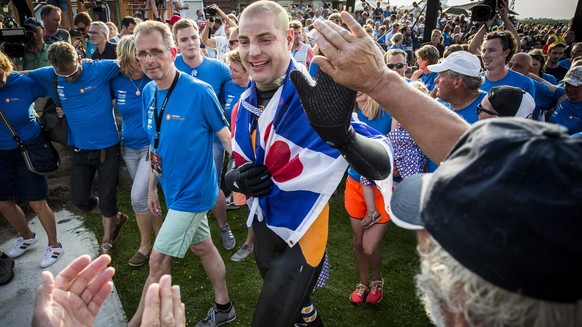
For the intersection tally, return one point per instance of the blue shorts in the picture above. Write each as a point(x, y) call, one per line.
point(17, 182)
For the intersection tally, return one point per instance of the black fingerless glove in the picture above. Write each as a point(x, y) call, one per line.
point(249, 180)
point(329, 107)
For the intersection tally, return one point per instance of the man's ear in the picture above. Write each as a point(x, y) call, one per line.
point(174, 51)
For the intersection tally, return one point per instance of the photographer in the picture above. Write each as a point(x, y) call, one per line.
point(219, 40)
point(35, 50)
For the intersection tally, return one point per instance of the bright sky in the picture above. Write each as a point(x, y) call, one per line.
point(558, 9)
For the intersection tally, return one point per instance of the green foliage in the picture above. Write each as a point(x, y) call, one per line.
point(399, 306)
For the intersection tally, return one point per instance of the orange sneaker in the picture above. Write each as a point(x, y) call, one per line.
point(375, 293)
point(359, 294)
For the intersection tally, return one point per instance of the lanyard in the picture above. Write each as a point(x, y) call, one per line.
point(159, 117)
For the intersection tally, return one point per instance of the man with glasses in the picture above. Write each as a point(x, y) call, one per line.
point(99, 36)
point(216, 73)
point(396, 60)
point(182, 116)
point(83, 90)
point(82, 21)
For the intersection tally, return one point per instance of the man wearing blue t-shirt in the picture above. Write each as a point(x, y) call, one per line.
point(216, 73)
point(83, 90)
point(496, 52)
point(181, 115)
point(458, 87)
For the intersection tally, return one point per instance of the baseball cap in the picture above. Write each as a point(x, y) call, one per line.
point(173, 19)
point(32, 23)
point(461, 62)
point(510, 101)
point(506, 203)
point(574, 76)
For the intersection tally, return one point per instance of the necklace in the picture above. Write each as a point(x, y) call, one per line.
point(137, 91)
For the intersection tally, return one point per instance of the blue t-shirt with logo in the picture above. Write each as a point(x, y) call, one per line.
point(191, 119)
point(130, 107)
point(512, 79)
point(568, 114)
point(230, 96)
point(86, 103)
point(17, 102)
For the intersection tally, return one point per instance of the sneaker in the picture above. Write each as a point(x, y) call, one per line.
point(359, 294)
point(242, 253)
point(22, 246)
point(106, 248)
point(375, 294)
point(51, 255)
point(6, 269)
point(217, 318)
point(228, 241)
point(230, 204)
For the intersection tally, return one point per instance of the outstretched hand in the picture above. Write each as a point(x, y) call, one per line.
point(351, 57)
point(75, 296)
point(164, 305)
point(328, 106)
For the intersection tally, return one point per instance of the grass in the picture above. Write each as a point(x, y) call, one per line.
point(399, 306)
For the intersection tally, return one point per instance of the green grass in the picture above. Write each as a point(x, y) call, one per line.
point(399, 306)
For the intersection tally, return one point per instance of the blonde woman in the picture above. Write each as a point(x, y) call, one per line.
point(127, 89)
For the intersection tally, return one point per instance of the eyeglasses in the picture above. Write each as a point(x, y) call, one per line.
point(489, 112)
point(71, 74)
point(232, 42)
point(154, 53)
point(92, 33)
point(81, 29)
point(398, 65)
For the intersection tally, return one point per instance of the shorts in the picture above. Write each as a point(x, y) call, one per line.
point(179, 230)
point(17, 182)
point(355, 204)
point(62, 4)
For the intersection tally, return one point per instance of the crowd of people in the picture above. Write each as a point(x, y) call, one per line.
point(194, 93)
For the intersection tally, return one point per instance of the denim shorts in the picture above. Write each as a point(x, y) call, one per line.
point(179, 230)
point(17, 182)
point(138, 167)
point(84, 165)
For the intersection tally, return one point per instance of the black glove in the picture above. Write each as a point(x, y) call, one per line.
point(249, 180)
point(329, 107)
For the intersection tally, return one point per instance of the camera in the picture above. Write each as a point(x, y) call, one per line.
point(484, 11)
point(15, 40)
point(210, 11)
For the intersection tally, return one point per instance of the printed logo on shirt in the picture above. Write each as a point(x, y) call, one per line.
point(174, 117)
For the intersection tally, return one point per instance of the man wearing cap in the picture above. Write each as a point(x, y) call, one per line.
point(569, 112)
point(499, 219)
point(173, 20)
point(506, 101)
point(458, 84)
point(36, 51)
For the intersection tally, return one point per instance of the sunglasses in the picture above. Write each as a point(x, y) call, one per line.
point(489, 112)
point(232, 42)
point(71, 74)
point(396, 65)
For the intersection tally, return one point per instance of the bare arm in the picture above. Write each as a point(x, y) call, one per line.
point(504, 11)
point(224, 17)
point(206, 39)
point(539, 79)
point(475, 45)
point(354, 61)
point(224, 136)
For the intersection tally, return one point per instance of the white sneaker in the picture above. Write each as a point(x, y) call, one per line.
point(51, 255)
point(22, 246)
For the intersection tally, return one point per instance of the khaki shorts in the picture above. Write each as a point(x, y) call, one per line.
point(179, 230)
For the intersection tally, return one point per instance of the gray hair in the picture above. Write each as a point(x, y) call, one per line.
point(102, 27)
point(473, 83)
point(445, 284)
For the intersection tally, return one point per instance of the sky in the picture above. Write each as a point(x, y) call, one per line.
point(558, 9)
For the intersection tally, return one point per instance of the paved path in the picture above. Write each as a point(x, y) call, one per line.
point(17, 297)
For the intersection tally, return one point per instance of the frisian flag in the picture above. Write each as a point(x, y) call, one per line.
point(305, 170)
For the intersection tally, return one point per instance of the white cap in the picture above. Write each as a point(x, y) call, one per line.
point(461, 62)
